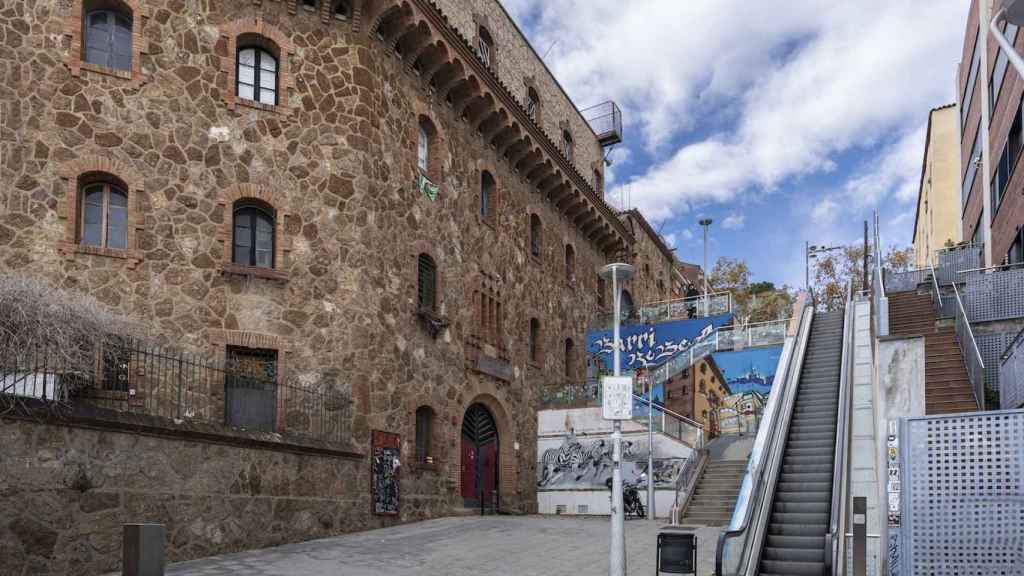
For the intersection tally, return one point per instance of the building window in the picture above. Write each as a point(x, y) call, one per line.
point(626, 304)
point(104, 216)
point(256, 75)
point(252, 239)
point(568, 147)
point(424, 434)
point(535, 235)
point(426, 283)
point(532, 104)
point(310, 5)
point(1006, 162)
point(428, 159)
point(570, 263)
point(108, 39)
point(972, 75)
point(600, 291)
point(250, 389)
point(534, 340)
point(1016, 253)
point(487, 196)
point(570, 359)
point(485, 46)
point(342, 9)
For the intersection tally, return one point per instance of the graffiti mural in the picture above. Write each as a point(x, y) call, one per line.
point(750, 370)
point(384, 475)
point(588, 464)
point(648, 345)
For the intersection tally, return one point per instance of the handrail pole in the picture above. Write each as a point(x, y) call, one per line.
point(840, 479)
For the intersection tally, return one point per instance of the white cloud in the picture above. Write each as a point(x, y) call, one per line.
point(797, 83)
point(670, 239)
point(734, 221)
point(825, 211)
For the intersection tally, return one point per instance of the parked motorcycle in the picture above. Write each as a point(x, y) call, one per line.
point(631, 503)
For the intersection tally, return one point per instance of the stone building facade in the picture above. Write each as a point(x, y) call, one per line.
point(658, 278)
point(698, 393)
point(353, 187)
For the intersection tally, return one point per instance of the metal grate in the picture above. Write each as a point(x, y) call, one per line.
point(1011, 373)
point(963, 494)
point(582, 509)
point(427, 283)
point(995, 296)
point(954, 260)
point(992, 347)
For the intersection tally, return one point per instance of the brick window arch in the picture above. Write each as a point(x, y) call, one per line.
point(100, 209)
point(255, 63)
point(106, 37)
point(252, 237)
point(253, 232)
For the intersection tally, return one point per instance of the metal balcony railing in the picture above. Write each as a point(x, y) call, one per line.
point(969, 346)
point(1011, 375)
point(605, 120)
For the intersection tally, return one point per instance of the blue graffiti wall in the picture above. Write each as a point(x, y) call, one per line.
point(749, 370)
point(649, 345)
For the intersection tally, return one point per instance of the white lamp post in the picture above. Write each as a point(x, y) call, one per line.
point(617, 273)
point(1013, 12)
point(706, 222)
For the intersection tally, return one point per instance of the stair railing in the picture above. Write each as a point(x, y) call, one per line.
point(969, 347)
point(739, 547)
point(836, 555)
point(672, 424)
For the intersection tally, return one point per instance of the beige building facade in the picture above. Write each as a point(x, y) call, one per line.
point(937, 223)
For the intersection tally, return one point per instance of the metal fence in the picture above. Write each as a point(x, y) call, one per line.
point(953, 261)
point(905, 281)
point(1011, 374)
point(131, 376)
point(674, 425)
point(969, 346)
point(960, 490)
point(995, 295)
point(678, 309)
point(606, 121)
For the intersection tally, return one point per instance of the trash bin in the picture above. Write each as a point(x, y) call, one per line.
point(677, 551)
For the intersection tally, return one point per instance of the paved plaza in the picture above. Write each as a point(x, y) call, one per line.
point(467, 546)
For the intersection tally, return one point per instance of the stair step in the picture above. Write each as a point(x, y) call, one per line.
point(793, 554)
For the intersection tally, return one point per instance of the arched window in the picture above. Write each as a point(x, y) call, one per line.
point(626, 304)
point(424, 433)
point(342, 9)
point(570, 263)
point(426, 283)
point(253, 235)
point(535, 232)
point(570, 358)
point(427, 158)
point(568, 148)
point(485, 46)
point(532, 104)
point(487, 199)
point(256, 75)
point(108, 39)
point(104, 216)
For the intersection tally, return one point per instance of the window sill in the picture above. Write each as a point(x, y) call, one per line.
point(255, 272)
point(535, 258)
point(122, 253)
point(272, 108)
point(487, 221)
point(106, 70)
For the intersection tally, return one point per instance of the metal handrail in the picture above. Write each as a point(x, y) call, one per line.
point(688, 298)
point(697, 427)
point(999, 267)
point(840, 478)
point(976, 376)
point(768, 448)
point(936, 292)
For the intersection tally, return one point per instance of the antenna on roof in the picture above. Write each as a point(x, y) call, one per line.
point(549, 49)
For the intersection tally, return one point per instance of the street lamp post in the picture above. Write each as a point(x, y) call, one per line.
point(812, 251)
point(617, 273)
point(1013, 12)
point(650, 445)
point(706, 222)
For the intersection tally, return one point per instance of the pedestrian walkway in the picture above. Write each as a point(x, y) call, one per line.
point(473, 546)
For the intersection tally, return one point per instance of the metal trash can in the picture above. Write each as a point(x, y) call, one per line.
point(677, 551)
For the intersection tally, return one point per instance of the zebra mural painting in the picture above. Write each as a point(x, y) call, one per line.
point(577, 464)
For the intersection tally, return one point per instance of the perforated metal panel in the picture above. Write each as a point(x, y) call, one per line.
point(995, 296)
point(950, 262)
point(1011, 377)
point(992, 347)
point(963, 494)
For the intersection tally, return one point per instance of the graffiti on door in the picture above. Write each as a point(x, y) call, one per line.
point(386, 464)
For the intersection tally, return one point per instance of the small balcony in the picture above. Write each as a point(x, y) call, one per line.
point(606, 121)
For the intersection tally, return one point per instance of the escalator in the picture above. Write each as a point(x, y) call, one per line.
point(794, 544)
point(790, 517)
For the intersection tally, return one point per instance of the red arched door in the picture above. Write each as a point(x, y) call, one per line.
point(479, 457)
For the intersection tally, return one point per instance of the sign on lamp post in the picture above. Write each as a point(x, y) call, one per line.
point(617, 397)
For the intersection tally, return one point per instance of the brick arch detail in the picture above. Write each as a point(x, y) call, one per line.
point(282, 243)
point(73, 28)
point(440, 435)
point(276, 39)
point(484, 392)
point(439, 156)
point(71, 173)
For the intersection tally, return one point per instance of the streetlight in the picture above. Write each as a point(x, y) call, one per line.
point(1013, 12)
point(706, 223)
point(617, 273)
point(812, 251)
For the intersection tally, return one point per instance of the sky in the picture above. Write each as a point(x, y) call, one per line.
point(782, 120)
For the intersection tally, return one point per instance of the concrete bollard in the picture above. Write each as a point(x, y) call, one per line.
point(143, 549)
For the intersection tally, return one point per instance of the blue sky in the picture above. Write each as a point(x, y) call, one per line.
point(783, 120)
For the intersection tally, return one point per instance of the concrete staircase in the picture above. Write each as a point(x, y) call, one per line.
point(795, 541)
point(714, 498)
point(947, 387)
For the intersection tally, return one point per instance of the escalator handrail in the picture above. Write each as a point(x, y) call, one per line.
point(836, 553)
point(780, 405)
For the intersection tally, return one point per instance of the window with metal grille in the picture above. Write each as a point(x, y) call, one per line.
point(570, 358)
point(103, 216)
point(532, 104)
point(534, 340)
point(253, 235)
point(535, 232)
point(485, 46)
point(108, 39)
point(570, 263)
point(250, 400)
point(568, 148)
point(426, 294)
point(256, 76)
point(487, 187)
point(424, 425)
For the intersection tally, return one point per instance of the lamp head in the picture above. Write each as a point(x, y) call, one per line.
point(619, 270)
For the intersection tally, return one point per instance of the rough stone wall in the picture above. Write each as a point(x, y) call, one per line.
point(338, 167)
point(67, 491)
point(651, 266)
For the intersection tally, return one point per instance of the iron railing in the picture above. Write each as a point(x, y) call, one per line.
point(879, 301)
point(677, 309)
point(673, 425)
point(132, 376)
point(1011, 375)
point(605, 120)
point(972, 356)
